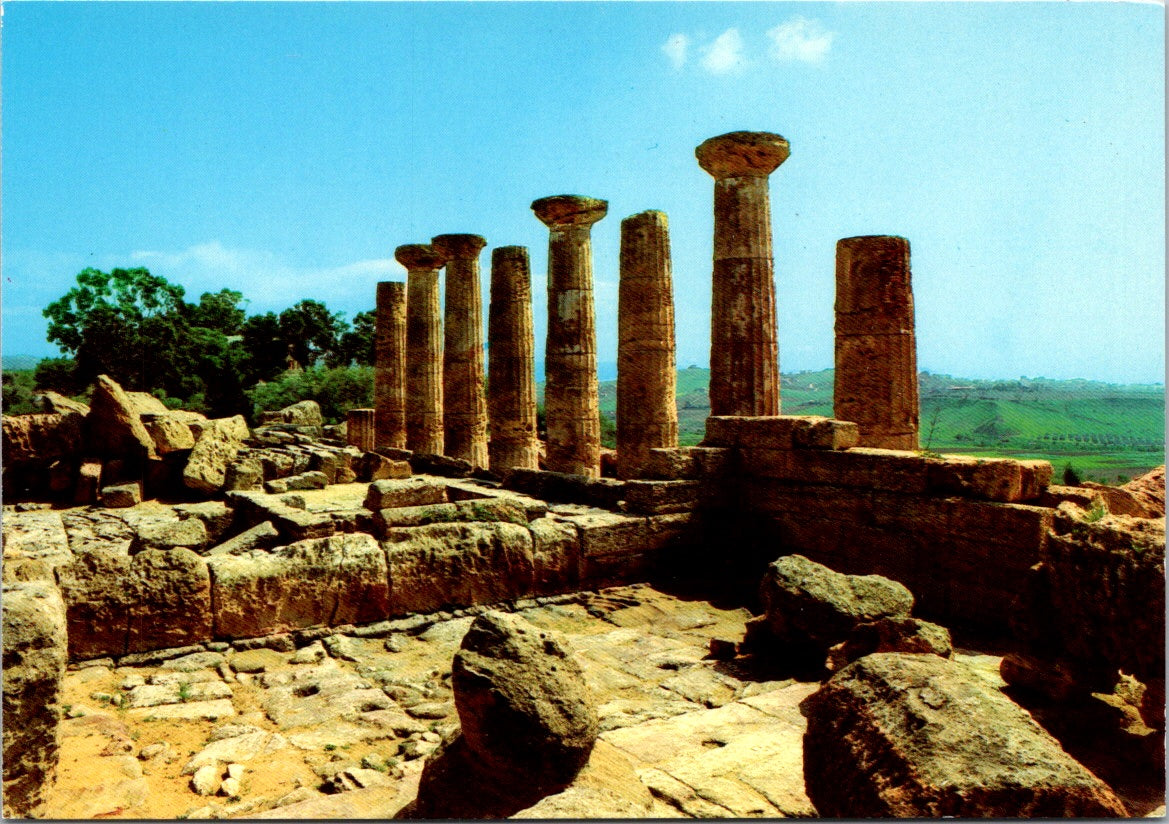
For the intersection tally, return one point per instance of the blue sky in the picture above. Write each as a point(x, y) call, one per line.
point(286, 149)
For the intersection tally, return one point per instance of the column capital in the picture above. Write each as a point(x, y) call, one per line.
point(419, 256)
point(569, 210)
point(742, 154)
point(458, 247)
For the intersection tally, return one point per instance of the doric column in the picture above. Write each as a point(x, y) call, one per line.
point(389, 371)
point(744, 348)
point(876, 349)
point(423, 348)
point(464, 407)
point(571, 409)
point(647, 378)
point(360, 429)
point(511, 353)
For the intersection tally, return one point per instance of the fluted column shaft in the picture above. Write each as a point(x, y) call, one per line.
point(389, 372)
point(647, 410)
point(464, 405)
point(511, 373)
point(571, 405)
point(744, 345)
point(424, 431)
point(361, 429)
point(876, 349)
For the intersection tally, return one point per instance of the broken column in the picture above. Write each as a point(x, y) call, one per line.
point(571, 408)
point(389, 372)
point(511, 380)
point(464, 407)
point(744, 348)
point(647, 410)
point(360, 428)
point(423, 347)
point(876, 350)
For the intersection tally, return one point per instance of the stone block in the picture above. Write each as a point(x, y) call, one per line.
point(565, 488)
point(990, 479)
point(556, 556)
point(780, 432)
point(88, 487)
point(670, 464)
point(215, 515)
point(170, 604)
point(671, 531)
point(41, 438)
point(1037, 477)
point(243, 474)
point(869, 468)
point(826, 433)
point(389, 494)
point(652, 497)
point(458, 565)
point(1056, 494)
point(35, 535)
point(486, 509)
point(329, 581)
point(441, 465)
point(217, 444)
point(119, 496)
point(607, 533)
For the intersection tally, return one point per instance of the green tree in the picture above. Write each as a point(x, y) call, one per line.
point(59, 374)
point(357, 344)
point(220, 311)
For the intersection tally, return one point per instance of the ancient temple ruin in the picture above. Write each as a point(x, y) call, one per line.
point(282, 597)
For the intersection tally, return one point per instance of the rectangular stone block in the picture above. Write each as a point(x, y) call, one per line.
point(990, 479)
point(670, 464)
point(565, 488)
point(1037, 477)
point(780, 432)
point(883, 469)
point(607, 533)
point(387, 494)
point(556, 556)
point(826, 433)
point(654, 497)
point(713, 462)
point(1011, 527)
point(470, 490)
point(463, 511)
point(1086, 499)
point(612, 570)
point(672, 531)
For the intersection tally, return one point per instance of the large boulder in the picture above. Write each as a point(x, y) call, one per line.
point(341, 579)
point(114, 424)
point(528, 724)
point(34, 666)
point(219, 441)
point(907, 736)
point(304, 413)
point(56, 403)
point(808, 604)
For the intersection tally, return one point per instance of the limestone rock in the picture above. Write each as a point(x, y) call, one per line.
point(1149, 490)
point(36, 438)
point(304, 413)
point(460, 563)
point(891, 635)
point(261, 536)
point(388, 494)
point(35, 535)
point(606, 787)
point(34, 666)
point(114, 425)
point(522, 701)
point(55, 403)
point(216, 447)
point(895, 735)
point(170, 534)
point(808, 603)
point(120, 496)
point(171, 433)
point(320, 581)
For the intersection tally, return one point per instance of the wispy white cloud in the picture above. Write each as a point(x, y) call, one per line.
point(267, 281)
point(800, 39)
point(676, 48)
point(725, 54)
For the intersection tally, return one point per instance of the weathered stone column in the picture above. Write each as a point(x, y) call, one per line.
point(571, 409)
point(360, 428)
point(744, 348)
point(647, 378)
point(423, 348)
point(464, 407)
point(389, 371)
point(876, 348)
point(511, 366)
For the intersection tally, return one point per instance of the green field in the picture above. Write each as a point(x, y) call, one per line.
point(1107, 432)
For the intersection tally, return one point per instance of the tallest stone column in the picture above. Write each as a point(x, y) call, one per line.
point(744, 347)
point(464, 405)
point(571, 405)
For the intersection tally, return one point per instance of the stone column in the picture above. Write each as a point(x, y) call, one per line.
point(360, 429)
point(571, 408)
point(464, 407)
point(423, 348)
point(647, 377)
point(511, 353)
point(744, 348)
point(876, 349)
point(389, 371)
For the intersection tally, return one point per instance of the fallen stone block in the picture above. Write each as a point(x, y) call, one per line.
point(218, 444)
point(32, 439)
point(565, 488)
point(909, 635)
point(917, 736)
point(464, 511)
point(442, 465)
point(780, 432)
point(120, 496)
point(170, 534)
point(216, 516)
point(114, 426)
point(170, 433)
point(261, 536)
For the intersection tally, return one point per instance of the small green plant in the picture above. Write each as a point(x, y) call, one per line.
point(330, 747)
point(185, 692)
point(929, 453)
point(1096, 513)
point(1071, 477)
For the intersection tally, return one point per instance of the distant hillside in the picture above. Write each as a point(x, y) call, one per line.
point(17, 363)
